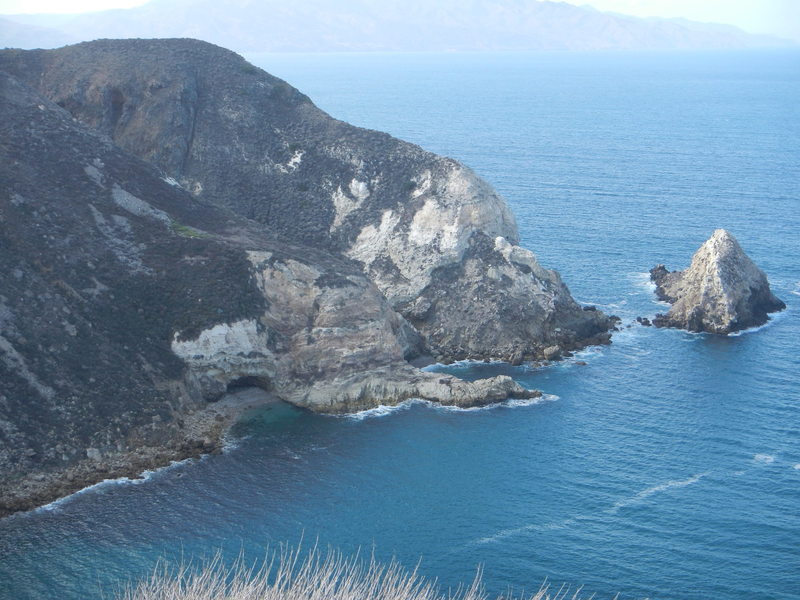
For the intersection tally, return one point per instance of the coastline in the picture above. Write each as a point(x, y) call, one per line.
point(202, 433)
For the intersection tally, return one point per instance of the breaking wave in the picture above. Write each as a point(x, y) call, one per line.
point(385, 411)
point(773, 318)
point(144, 477)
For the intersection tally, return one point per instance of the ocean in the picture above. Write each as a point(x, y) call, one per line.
point(666, 467)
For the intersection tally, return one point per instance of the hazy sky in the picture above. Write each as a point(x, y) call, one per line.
point(8, 7)
point(778, 17)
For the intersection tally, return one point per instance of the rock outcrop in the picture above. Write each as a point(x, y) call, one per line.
point(722, 291)
point(176, 223)
point(127, 304)
point(434, 238)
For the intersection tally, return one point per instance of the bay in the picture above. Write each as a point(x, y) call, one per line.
point(666, 467)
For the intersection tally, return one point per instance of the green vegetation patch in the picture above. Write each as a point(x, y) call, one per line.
point(186, 231)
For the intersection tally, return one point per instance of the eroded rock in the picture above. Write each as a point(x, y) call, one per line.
point(722, 291)
point(127, 304)
point(438, 242)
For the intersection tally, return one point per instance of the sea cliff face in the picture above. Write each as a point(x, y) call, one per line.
point(128, 304)
point(435, 239)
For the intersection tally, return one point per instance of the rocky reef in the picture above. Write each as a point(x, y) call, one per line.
point(435, 239)
point(722, 291)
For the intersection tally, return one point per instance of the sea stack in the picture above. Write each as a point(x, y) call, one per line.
point(721, 292)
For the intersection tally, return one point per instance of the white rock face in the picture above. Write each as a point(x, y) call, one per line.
point(722, 290)
point(432, 231)
point(327, 341)
point(137, 206)
point(526, 258)
point(345, 203)
point(228, 352)
point(447, 259)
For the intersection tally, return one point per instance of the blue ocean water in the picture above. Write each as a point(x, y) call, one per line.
point(667, 467)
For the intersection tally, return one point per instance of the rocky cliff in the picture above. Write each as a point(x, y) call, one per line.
point(722, 291)
point(437, 241)
point(127, 304)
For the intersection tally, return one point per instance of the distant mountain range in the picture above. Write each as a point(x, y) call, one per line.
point(380, 25)
point(22, 35)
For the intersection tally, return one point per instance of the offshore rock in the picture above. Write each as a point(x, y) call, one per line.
point(436, 240)
point(721, 292)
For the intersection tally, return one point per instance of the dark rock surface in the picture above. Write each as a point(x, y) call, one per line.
point(93, 285)
point(437, 241)
point(722, 291)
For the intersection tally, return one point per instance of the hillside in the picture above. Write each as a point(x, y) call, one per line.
point(129, 307)
point(426, 230)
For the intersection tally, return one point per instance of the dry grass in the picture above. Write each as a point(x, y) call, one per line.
point(285, 575)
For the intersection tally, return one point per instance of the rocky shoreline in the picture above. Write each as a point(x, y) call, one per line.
point(201, 432)
point(180, 224)
point(204, 435)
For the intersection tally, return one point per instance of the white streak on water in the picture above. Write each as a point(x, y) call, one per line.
point(641, 496)
point(662, 487)
point(533, 527)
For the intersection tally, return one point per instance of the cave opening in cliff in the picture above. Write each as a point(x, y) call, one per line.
point(250, 382)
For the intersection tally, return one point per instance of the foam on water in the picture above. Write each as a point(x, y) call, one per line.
point(231, 443)
point(144, 477)
point(385, 411)
point(642, 279)
point(507, 533)
point(55, 505)
point(656, 489)
point(512, 403)
point(766, 459)
point(466, 363)
point(586, 353)
point(380, 411)
point(773, 319)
